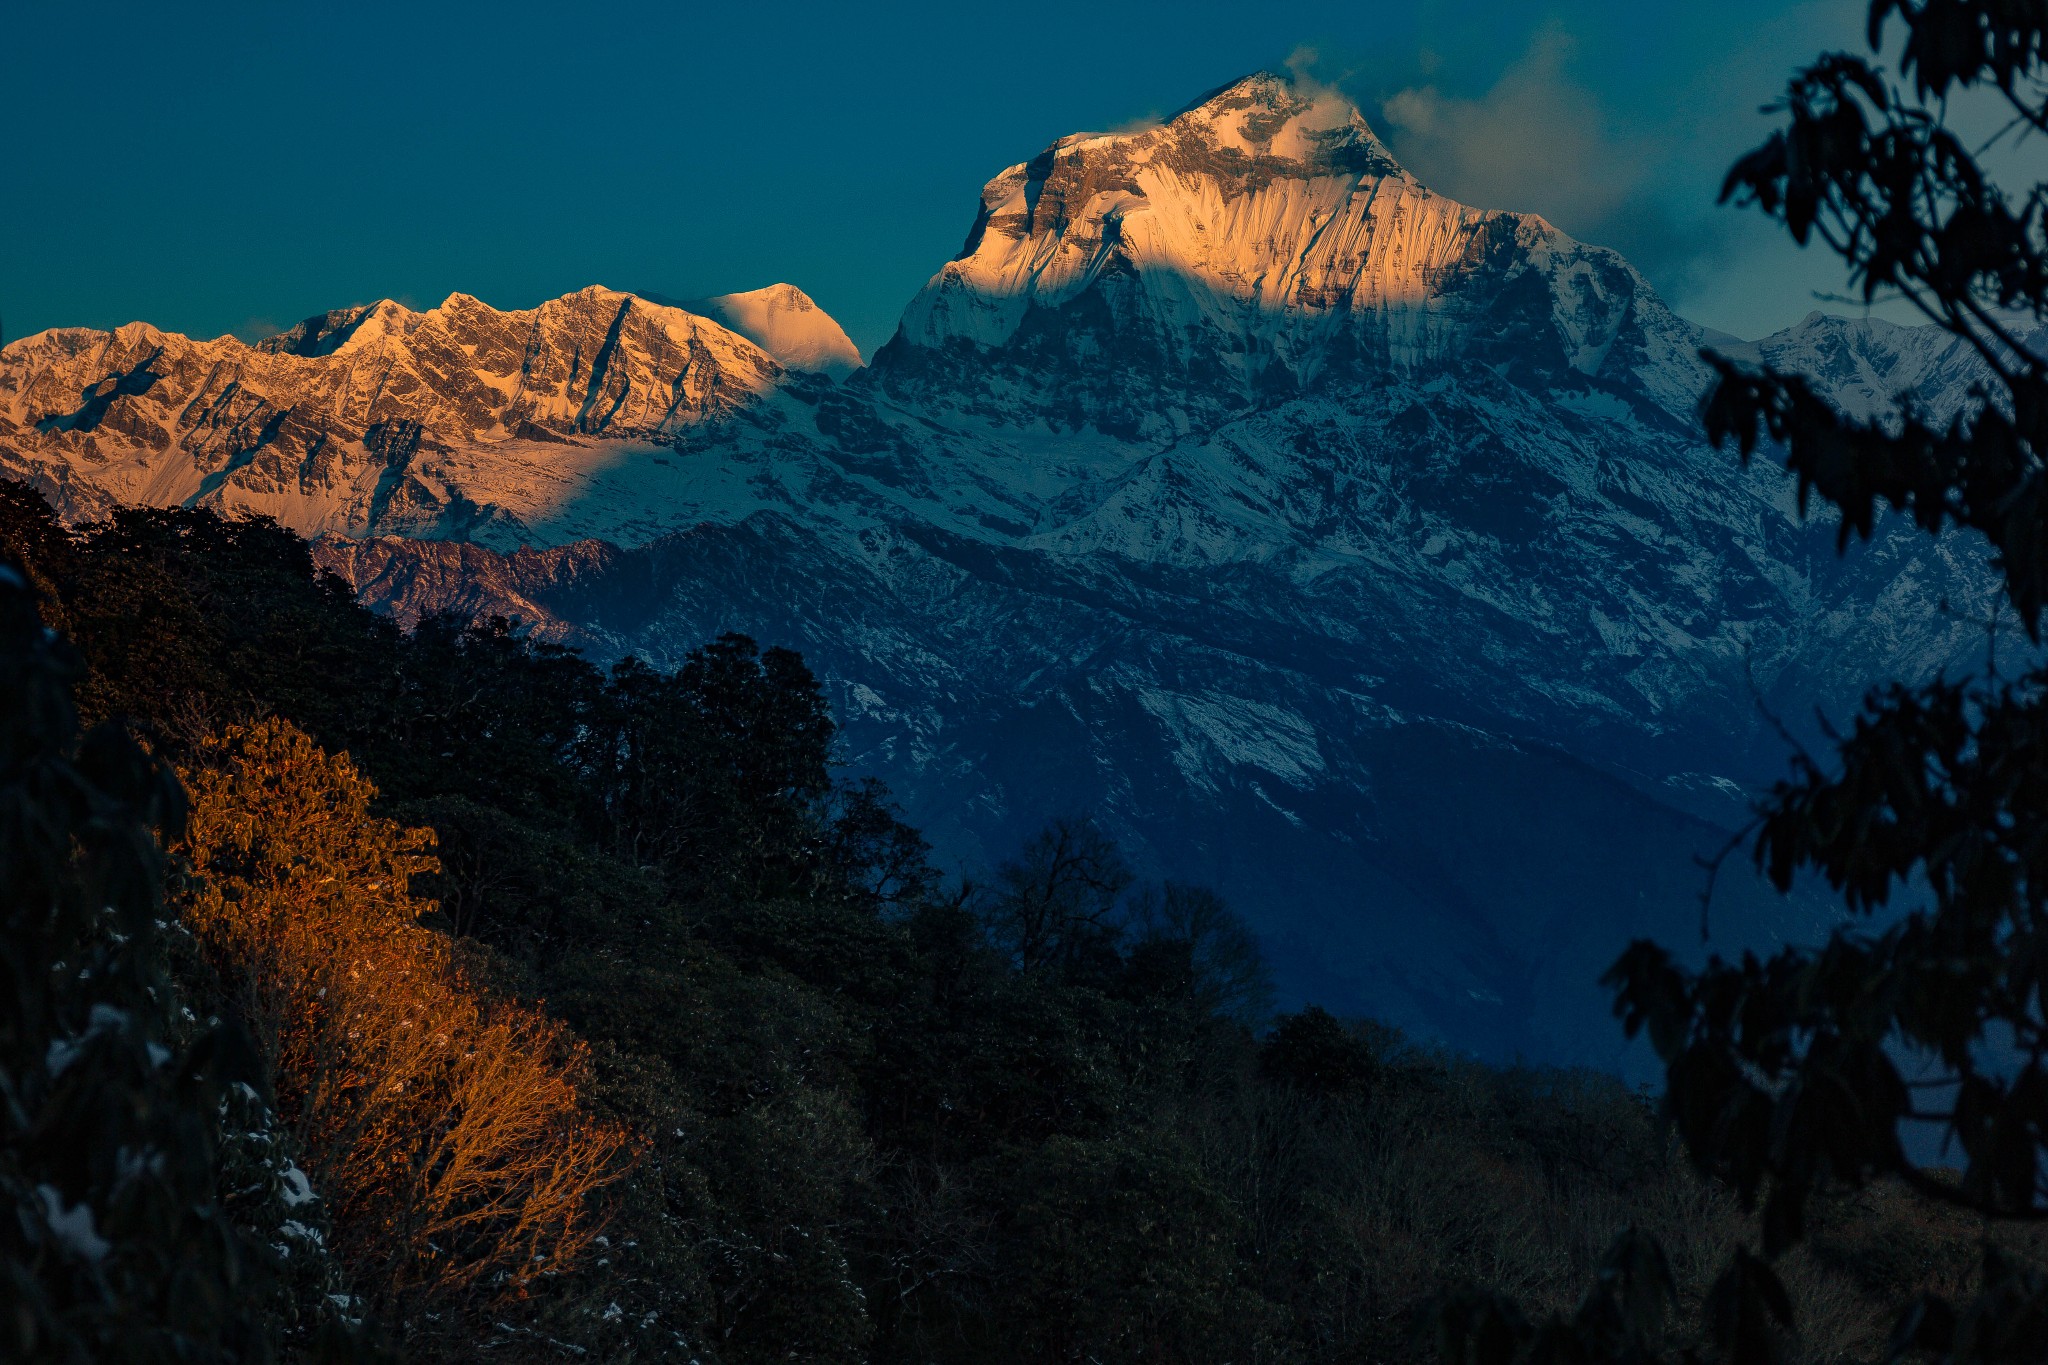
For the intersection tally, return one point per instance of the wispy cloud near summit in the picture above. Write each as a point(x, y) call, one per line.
point(1537, 140)
point(1615, 129)
point(849, 163)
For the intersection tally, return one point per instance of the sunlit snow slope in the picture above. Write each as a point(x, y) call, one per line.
point(462, 421)
point(1346, 547)
point(1261, 241)
point(783, 321)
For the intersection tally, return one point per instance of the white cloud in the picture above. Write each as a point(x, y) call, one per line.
point(1538, 141)
point(1633, 164)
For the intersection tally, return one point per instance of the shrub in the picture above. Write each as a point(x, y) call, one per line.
point(443, 1125)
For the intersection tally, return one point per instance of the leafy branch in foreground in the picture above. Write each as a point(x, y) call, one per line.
point(1796, 1074)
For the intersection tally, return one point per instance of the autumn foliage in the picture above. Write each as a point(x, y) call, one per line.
point(883, 1120)
point(442, 1125)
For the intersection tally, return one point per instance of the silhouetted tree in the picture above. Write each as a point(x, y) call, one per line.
point(1056, 903)
point(1316, 1053)
point(1785, 1074)
point(1188, 943)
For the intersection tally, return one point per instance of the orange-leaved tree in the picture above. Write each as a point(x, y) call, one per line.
point(441, 1124)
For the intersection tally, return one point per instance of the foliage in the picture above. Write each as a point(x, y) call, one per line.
point(1056, 903)
point(1314, 1052)
point(443, 1126)
point(879, 1117)
point(1190, 945)
point(1123, 1249)
point(1797, 1075)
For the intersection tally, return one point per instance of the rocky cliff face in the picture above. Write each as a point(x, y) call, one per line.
point(370, 418)
point(1341, 545)
point(1261, 244)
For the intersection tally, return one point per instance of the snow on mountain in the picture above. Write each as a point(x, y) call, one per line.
point(1348, 548)
point(378, 417)
point(1262, 240)
point(1865, 365)
point(783, 321)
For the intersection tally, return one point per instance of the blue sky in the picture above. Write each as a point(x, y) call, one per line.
point(234, 167)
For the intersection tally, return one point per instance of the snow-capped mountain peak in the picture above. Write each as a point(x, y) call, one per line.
point(1259, 243)
point(784, 321)
point(374, 416)
point(1351, 548)
point(1865, 365)
point(1270, 117)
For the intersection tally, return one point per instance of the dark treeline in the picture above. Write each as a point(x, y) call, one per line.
point(808, 1098)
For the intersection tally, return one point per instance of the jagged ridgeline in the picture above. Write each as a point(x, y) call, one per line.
point(589, 1013)
point(1347, 548)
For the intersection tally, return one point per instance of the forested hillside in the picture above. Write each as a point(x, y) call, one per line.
point(1300, 521)
point(509, 1008)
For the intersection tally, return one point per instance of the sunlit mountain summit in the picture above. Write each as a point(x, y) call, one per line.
point(1261, 242)
point(1348, 548)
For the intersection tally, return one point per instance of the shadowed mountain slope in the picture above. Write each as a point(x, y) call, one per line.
point(1340, 544)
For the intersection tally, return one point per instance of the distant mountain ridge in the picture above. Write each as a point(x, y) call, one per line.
point(783, 321)
point(1349, 548)
point(365, 419)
